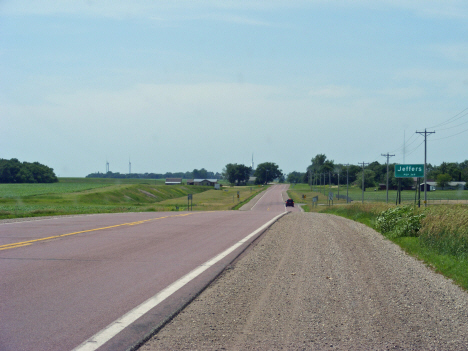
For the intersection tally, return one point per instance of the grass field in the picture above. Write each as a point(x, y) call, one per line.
point(355, 193)
point(86, 195)
point(215, 200)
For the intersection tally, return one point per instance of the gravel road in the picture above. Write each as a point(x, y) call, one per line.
point(321, 282)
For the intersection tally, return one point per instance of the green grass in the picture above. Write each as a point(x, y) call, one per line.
point(21, 190)
point(216, 200)
point(100, 195)
point(442, 241)
point(372, 195)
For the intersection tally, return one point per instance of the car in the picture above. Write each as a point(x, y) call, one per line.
point(290, 202)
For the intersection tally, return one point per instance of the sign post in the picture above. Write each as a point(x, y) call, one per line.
point(189, 202)
point(408, 171)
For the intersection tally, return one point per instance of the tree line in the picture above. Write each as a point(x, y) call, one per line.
point(323, 170)
point(240, 174)
point(14, 171)
point(195, 174)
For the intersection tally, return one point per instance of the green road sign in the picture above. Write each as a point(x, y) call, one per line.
point(409, 171)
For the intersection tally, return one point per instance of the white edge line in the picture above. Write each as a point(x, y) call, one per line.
point(100, 338)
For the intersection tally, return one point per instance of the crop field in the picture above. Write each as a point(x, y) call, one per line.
point(372, 195)
point(22, 190)
point(85, 195)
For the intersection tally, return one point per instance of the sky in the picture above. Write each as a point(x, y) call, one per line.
point(177, 85)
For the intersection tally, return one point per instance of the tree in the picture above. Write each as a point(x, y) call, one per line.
point(14, 171)
point(320, 164)
point(267, 172)
point(296, 177)
point(379, 170)
point(393, 182)
point(443, 179)
point(369, 181)
point(235, 173)
point(200, 174)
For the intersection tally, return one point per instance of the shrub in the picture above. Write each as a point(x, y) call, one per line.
point(399, 221)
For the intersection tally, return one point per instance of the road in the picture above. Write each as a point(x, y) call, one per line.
point(62, 280)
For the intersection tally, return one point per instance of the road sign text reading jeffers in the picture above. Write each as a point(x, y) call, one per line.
point(409, 171)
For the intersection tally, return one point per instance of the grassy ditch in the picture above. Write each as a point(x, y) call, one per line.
point(437, 235)
point(33, 200)
point(83, 195)
point(215, 200)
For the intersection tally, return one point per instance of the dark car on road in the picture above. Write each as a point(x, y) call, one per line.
point(290, 202)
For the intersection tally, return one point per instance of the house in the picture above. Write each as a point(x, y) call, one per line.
point(251, 180)
point(173, 181)
point(456, 185)
point(204, 182)
point(431, 186)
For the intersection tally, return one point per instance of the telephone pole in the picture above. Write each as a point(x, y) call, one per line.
point(347, 180)
point(387, 156)
point(425, 162)
point(363, 165)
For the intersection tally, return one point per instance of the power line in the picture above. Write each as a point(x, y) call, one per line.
point(452, 135)
point(417, 147)
point(452, 119)
point(458, 125)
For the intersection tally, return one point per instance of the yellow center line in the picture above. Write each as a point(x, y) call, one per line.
point(29, 242)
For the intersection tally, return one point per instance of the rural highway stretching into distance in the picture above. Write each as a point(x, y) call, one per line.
point(67, 282)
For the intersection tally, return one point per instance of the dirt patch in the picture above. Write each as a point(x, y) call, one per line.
point(148, 193)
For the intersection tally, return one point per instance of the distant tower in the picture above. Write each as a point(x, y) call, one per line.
point(252, 162)
point(129, 166)
point(107, 166)
point(404, 146)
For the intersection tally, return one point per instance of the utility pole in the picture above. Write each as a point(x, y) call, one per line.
point(387, 156)
point(347, 181)
point(363, 165)
point(338, 184)
point(425, 163)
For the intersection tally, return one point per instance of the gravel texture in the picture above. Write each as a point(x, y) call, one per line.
point(321, 282)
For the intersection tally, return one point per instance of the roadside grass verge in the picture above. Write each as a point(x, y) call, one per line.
point(216, 200)
point(440, 239)
point(82, 196)
point(374, 195)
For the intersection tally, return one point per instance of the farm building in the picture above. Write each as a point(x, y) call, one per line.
point(206, 182)
point(173, 181)
point(431, 186)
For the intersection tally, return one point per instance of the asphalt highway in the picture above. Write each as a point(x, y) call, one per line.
point(63, 280)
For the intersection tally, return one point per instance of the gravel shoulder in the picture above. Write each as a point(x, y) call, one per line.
point(315, 282)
